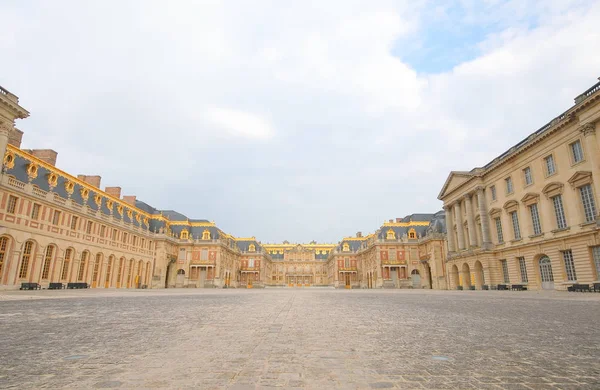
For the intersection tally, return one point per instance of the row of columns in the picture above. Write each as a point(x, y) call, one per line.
point(454, 216)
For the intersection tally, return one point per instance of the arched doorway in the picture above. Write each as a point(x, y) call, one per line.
point(454, 279)
point(180, 278)
point(416, 278)
point(466, 276)
point(479, 278)
point(546, 273)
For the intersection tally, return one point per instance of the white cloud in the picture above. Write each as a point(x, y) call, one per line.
point(239, 123)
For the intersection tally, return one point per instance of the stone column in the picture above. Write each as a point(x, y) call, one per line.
point(592, 154)
point(450, 228)
point(460, 232)
point(5, 128)
point(471, 221)
point(485, 219)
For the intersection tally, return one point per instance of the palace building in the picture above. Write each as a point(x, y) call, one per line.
point(61, 228)
point(530, 216)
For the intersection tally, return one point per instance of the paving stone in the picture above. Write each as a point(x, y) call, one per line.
point(304, 339)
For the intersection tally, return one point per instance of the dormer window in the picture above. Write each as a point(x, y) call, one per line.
point(184, 234)
point(252, 248)
point(345, 247)
point(206, 234)
point(391, 235)
point(412, 234)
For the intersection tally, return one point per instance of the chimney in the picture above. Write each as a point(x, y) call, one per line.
point(46, 155)
point(129, 199)
point(398, 219)
point(90, 179)
point(359, 234)
point(15, 137)
point(391, 221)
point(114, 191)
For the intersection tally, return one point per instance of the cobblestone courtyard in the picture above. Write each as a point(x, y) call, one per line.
point(320, 339)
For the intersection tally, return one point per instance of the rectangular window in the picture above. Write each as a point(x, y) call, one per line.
point(587, 199)
point(102, 230)
point(523, 269)
point(505, 271)
point(528, 176)
point(550, 167)
point(204, 254)
point(493, 192)
point(499, 230)
point(56, 218)
point(74, 221)
point(89, 227)
point(125, 238)
point(569, 265)
point(559, 211)
point(509, 185)
point(515, 223)
point(12, 204)
point(347, 262)
point(576, 152)
point(134, 240)
point(35, 212)
point(596, 256)
point(535, 219)
point(114, 235)
point(143, 243)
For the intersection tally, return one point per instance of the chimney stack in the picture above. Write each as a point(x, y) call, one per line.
point(398, 219)
point(46, 155)
point(391, 221)
point(359, 234)
point(90, 179)
point(129, 199)
point(15, 137)
point(113, 191)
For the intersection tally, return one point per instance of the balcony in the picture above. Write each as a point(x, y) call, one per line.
point(348, 269)
point(250, 269)
point(393, 262)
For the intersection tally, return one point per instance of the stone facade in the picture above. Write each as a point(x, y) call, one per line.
point(530, 216)
point(62, 228)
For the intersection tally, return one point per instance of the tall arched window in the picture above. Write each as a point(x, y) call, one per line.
point(129, 273)
point(82, 264)
point(96, 268)
point(108, 272)
point(65, 269)
point(27, 250)
point(47, 261)
point(3, 248)
point(120, 271)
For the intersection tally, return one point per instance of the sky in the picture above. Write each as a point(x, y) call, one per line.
point(289, 120)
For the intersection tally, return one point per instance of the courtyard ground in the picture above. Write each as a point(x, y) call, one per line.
point(299, 338)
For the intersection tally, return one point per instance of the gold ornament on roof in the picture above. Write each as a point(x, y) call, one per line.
point(85, 194)
point(9, 160)
point(98, 200)
point(130, 214)
point(120, 210)
point(32, 171)
point(145, 220)
point(109, 204)
point(52, 180)
point(138, 218)
point(69, 187)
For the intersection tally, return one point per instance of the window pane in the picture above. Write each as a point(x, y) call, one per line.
point(569, 265)
point(523, 269)
point(493, 192)
point(499, 230)
point(528, 178)
point(505, 271)
point(535, 219)
point(550, 168)
point(515, 222)
point(587, 198)
point(559, 211)
point(577, 151)
point(596, 255)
